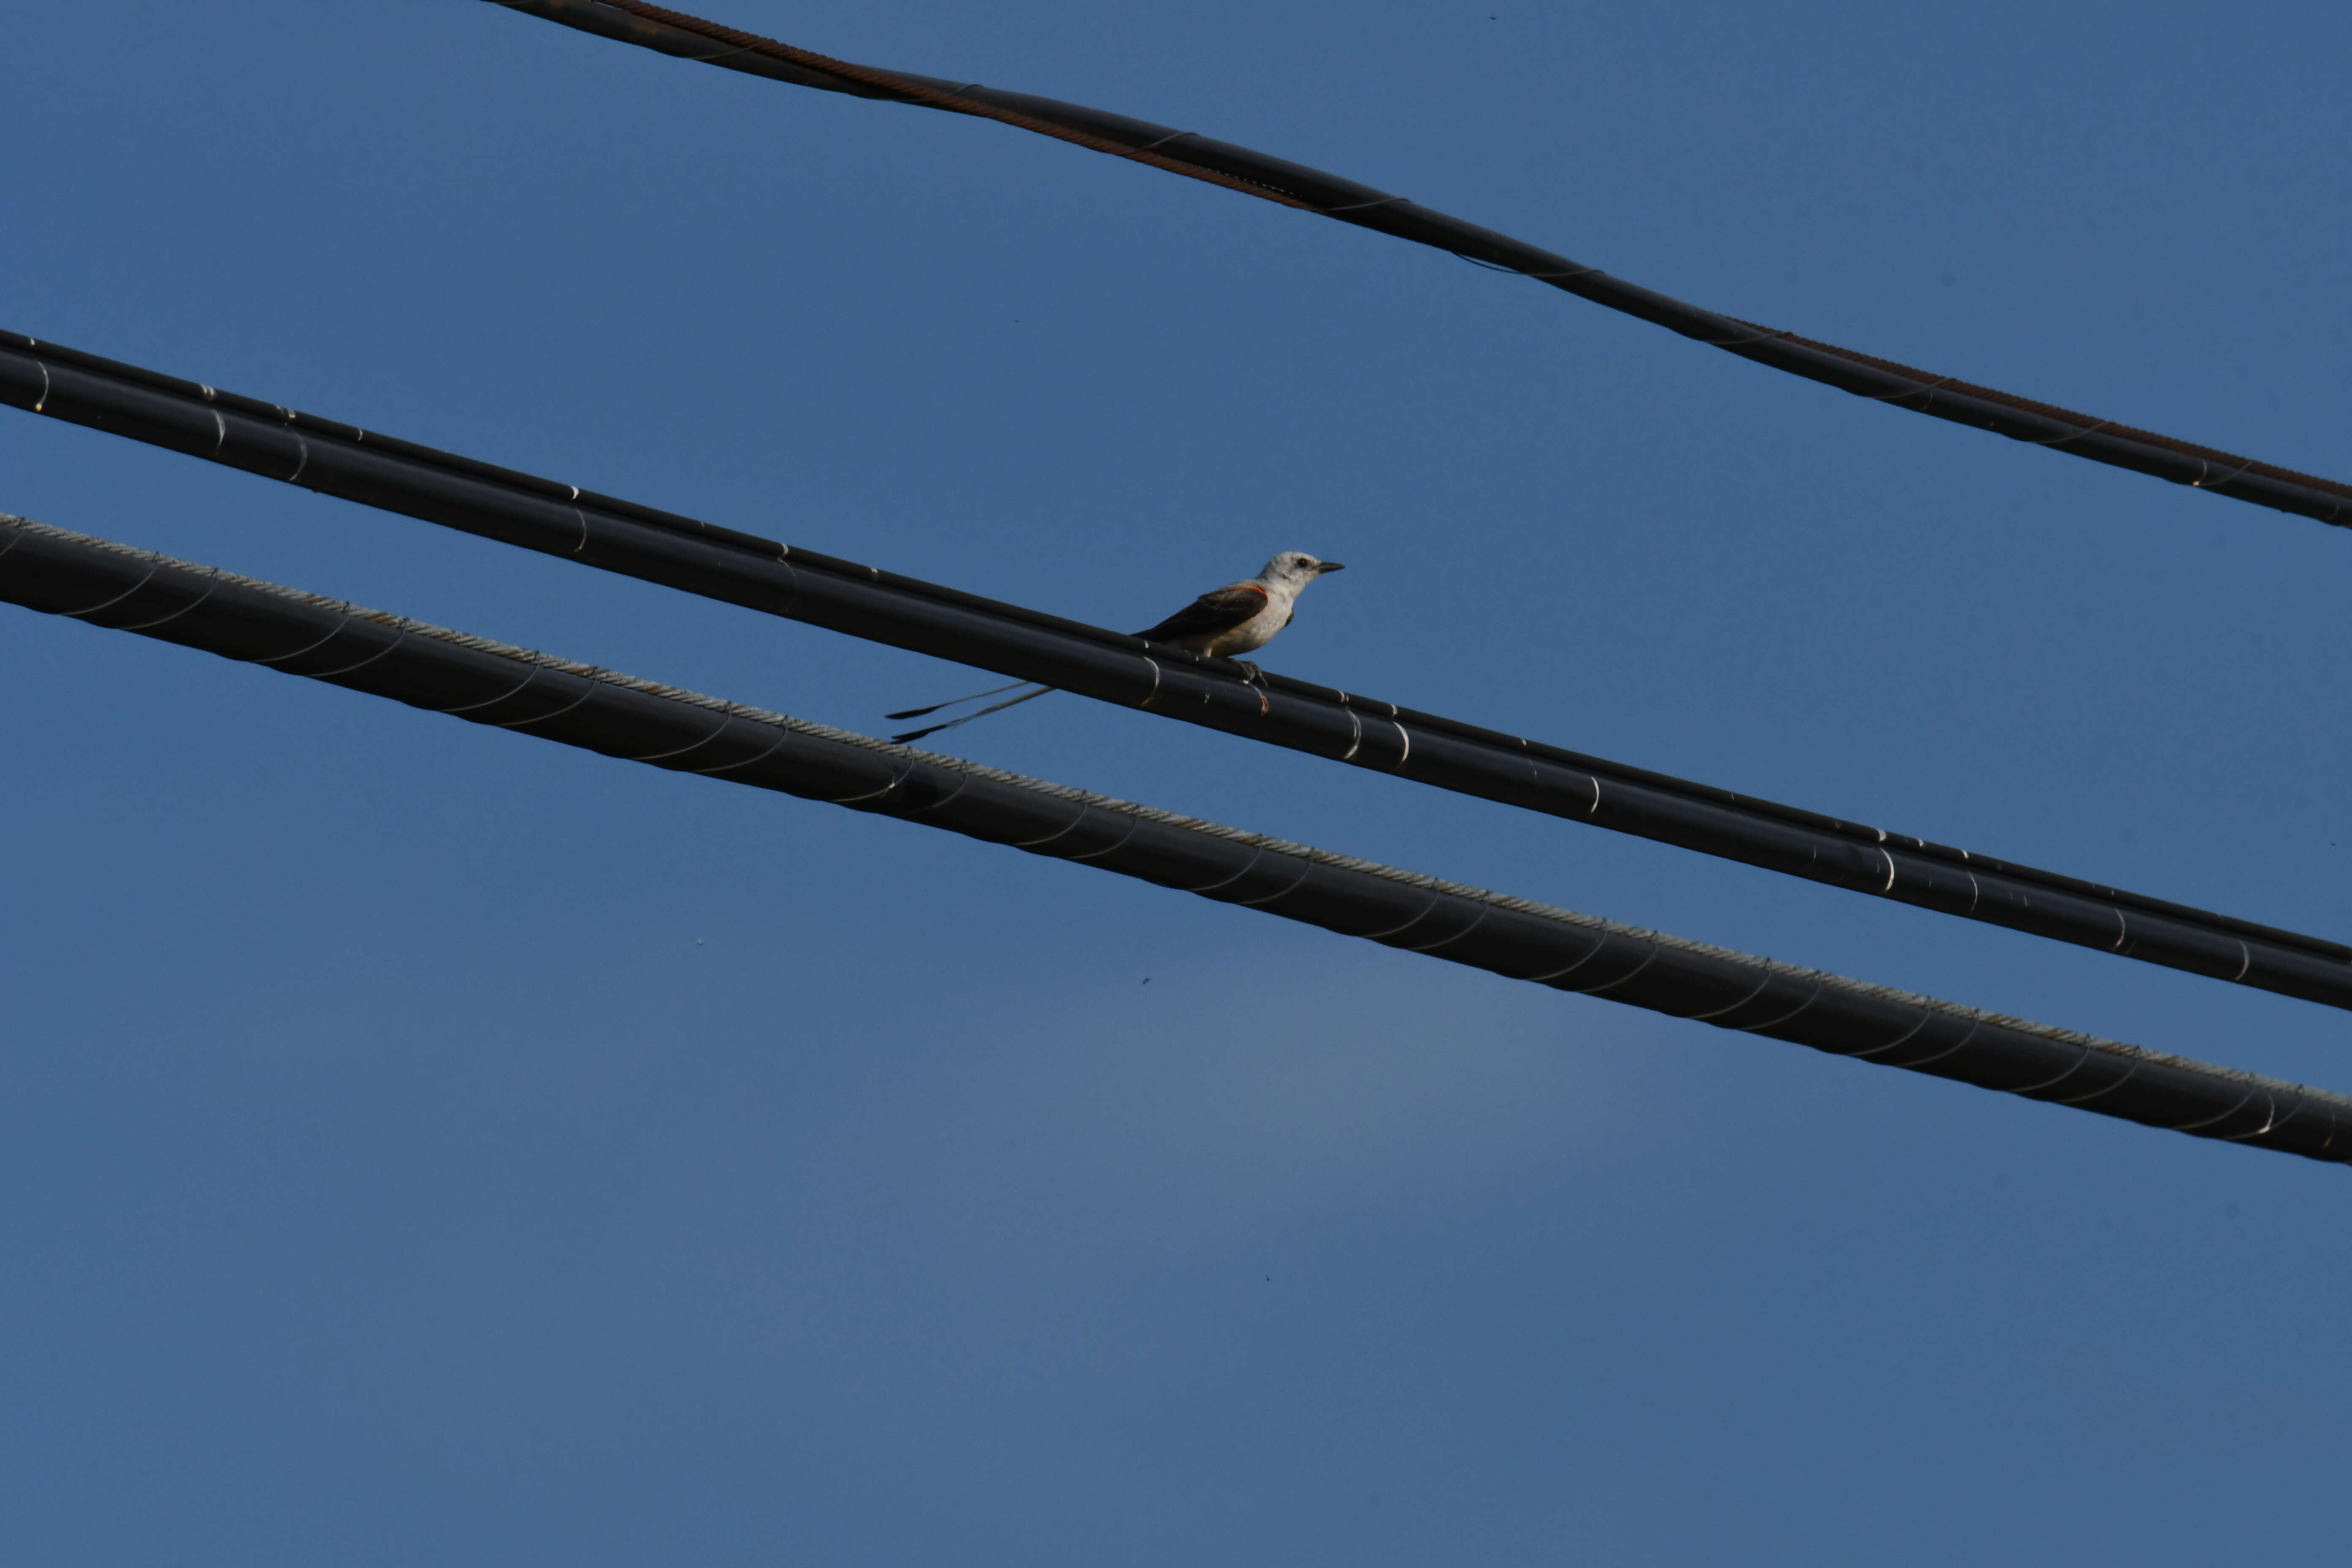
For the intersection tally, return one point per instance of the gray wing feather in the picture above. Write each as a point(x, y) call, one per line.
point(1214, 611)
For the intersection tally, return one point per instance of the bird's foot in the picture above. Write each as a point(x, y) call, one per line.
point(1253, 676)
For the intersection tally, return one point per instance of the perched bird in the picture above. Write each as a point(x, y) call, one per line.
point(1243, 617)
point(1240, 617)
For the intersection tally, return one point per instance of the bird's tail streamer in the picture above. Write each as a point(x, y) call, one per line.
point(953, 702)
point(992, 708)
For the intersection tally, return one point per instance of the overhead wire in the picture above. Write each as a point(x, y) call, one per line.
point(115, 586)
point(612, 534)
point(1290, 184)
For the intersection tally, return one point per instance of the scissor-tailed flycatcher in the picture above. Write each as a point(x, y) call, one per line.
point(1240, 617)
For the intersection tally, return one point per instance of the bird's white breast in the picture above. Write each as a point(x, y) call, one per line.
point(1257, 631)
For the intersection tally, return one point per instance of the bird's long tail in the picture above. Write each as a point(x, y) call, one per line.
point(953, 702)
point(992, 708)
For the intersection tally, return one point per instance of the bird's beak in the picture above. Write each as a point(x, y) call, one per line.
point(1323, 566)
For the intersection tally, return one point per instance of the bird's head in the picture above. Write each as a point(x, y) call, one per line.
point(1294, 569)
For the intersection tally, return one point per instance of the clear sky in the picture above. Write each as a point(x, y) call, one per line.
point(421, 1145)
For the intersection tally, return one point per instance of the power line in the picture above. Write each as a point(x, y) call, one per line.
point(615, 536)
point(1329, 196)
point(484, 682)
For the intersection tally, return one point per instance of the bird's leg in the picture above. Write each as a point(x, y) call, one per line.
point(1253, 676)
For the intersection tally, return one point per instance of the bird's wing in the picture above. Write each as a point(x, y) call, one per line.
point(1219, 609)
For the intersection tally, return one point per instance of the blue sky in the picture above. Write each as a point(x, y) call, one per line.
point(423, 1144)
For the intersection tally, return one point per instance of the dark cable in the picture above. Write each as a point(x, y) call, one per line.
point(1026, 645)
point(484, 682)
point(1296, 185)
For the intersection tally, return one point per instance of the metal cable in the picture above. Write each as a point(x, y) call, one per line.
point(1026, 645)
point(1296, 185)
point(486, 682)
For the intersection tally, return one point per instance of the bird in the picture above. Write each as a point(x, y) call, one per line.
point(1240, 617)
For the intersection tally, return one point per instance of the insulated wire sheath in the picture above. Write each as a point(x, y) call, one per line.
point(862, 601)
point(1329, 196)
point(484, 682)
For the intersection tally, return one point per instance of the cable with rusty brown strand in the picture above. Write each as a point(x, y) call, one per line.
point(1292, 184)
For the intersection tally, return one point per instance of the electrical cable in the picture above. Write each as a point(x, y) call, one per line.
point(1311, 190)
point(484, 682)
point(615, 536)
